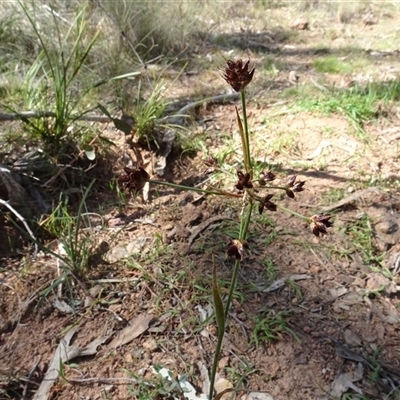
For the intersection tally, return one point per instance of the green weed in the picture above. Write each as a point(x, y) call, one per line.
point(332, 64)
point(52, 78)
point(272, 326)
point(359, 104)
point(360, 235)
point(149, 112)
point(155, 389)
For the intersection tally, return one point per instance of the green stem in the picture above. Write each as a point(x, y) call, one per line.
point(244, 224)
point(296, 214)
point(218, 349)
point(194, 189)
point(246, 133)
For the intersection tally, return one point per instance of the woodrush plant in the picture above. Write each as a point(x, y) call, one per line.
point(252, 192)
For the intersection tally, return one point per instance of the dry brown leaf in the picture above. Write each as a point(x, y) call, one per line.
point(63, 353)
point(136, 327)
point(223, 388)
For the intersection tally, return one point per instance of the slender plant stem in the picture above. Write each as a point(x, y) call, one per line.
point(246, 221)
point(244, 224)
point(221, 323)
point(296, 214)
point(246, 132)
point(195, 189)
point(218, 348)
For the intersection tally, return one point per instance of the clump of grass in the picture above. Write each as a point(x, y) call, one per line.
point(162, 28)
point(51, 81)
point(332, 65)
point(271, 327)
point(148, 113)
point(359, 104)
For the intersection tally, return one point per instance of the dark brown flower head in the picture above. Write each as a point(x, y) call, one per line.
point(267, 203)
point(212, 164)
point(236, 248)
point(320, 223)
point(290, 193)
point(297, 186)
point(294, 186)
point(266, 177)
point(135, 179)
point(244, 181)
point(238, 75)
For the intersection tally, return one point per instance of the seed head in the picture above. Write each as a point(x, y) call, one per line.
point(320, 223)
point(267, 203)
point(135, 179)
point(238, 75)
point(236, 248)
point(293, 186)
point(266, 177)
point(244, 181)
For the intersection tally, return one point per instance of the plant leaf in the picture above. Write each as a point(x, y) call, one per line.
point(122, 126)
point(136, 327)
point(104, 110)
point(89, 151)
point(243, 138)
point(219, 395)
point(219, 308)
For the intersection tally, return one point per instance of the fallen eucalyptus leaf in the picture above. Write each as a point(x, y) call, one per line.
point(136, 327)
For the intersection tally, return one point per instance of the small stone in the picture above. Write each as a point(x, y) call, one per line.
point(116, 254)
point(150, 344)
point(380, 331)
point(315, 269)
point(223, 362)
point(351, 338)
point(378, 282)
point(300, 24)
point(115, 222)
point(128, 357)
point(307, 329)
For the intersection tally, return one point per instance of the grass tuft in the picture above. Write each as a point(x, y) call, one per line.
point(332, 65)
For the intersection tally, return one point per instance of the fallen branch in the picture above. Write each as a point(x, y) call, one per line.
point(22, 219)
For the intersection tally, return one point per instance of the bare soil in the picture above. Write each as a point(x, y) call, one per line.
point(342, 314)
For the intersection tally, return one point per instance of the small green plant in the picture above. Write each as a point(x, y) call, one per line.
point(149, 112)
point(359, 104)
point(360, 234)
point(74, 249)
point(270, 269)
point(57, 67)
point(159, 388)
point(59, 220)
point(332, 65)
point(271, 327)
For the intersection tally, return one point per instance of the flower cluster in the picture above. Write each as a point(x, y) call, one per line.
point(238, 74)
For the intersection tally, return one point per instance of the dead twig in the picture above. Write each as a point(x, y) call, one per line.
point(22, 219)
point(28, 379)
